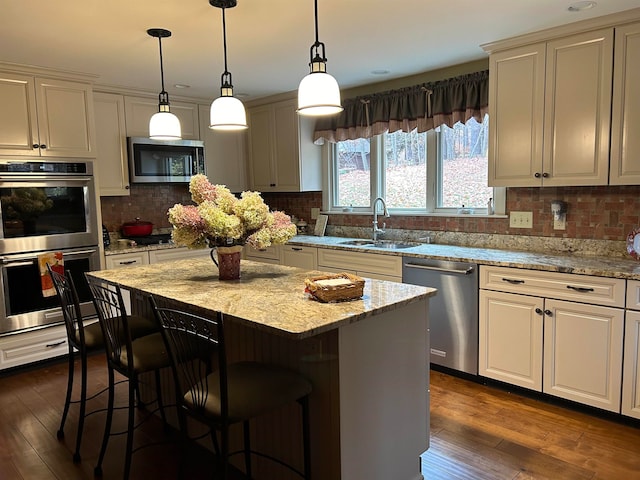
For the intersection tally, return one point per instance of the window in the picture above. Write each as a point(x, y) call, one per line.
point(439, 171)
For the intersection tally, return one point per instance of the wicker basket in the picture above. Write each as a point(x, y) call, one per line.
point(335, 287)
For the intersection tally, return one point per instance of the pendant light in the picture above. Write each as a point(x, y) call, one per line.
point(163, 125)
point(318, 92)
point(227, 112)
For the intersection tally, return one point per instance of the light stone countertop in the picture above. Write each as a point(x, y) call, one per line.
point(601, 266)
point(269, 297)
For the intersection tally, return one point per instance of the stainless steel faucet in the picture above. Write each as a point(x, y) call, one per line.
point(377, 230)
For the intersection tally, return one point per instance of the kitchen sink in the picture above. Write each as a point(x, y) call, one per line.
point(391, 245)
point(357, 243)
point(386, 244)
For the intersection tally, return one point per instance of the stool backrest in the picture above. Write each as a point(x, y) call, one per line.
point(112, 315)
point(196, 346)
point(70, 304)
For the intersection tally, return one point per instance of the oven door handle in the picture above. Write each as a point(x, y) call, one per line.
point(16, 263)
point(25, 262)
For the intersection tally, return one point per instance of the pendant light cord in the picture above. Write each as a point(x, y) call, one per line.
point(316, 17)
point(224, 40)
point(161, 67)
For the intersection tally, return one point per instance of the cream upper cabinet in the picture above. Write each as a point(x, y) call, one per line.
point(111, 135)
point(282, 156)
point(625, 141)
point(46, 117)
point(139, 110)
point(550, 106)
point(225, 154)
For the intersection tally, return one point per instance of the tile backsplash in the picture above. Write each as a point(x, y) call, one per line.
point(596, 213)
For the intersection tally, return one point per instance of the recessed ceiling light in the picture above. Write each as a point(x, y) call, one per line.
point(380, 71)
point(580, 6)
point(182, 85)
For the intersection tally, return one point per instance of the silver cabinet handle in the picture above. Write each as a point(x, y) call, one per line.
point(467, 271)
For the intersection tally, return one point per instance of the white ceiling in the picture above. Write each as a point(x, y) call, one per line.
point(268, 41)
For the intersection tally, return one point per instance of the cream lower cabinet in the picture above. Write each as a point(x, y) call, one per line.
point(631, 373)
point(300, 256)
point(144, 257)
point(569, 346)
point(364, 264)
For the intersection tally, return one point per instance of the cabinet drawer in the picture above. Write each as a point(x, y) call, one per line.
point(264, 254)
point(389, 265)
point(563, 286)
point(29, 347)
point(157, 256)
point(124, 260)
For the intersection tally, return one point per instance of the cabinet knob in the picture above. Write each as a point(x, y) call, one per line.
point(545, 175)
point(35, 145)
point(548, 313)
point(539, 311)
point(272, 184)
point(537, 175)
point(42, 145)
point(127, 187)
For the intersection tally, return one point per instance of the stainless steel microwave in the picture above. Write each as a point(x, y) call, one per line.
point(164, 161)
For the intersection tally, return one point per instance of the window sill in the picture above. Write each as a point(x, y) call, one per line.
point(420, 214)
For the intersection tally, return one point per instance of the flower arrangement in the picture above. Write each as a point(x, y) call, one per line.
point(220, 219)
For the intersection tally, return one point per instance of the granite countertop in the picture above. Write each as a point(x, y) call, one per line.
point(601, 266)
point(262, 290)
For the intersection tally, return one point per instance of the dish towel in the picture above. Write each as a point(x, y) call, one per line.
point(55, 260)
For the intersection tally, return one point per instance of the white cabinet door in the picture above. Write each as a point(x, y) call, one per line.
point(550, 106)
point(266, 255)
point(631, 374)
point(46, 117)
point(578, 109)
point(516, 113)
point(139, 110)
point(625, 118)
point(300, 256)
point(111, 162)
point(282, 156)
point(583, 353)
point(18, 115)
point(225, 154)
point(510, 338)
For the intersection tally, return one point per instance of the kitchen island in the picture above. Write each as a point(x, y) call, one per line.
point(367, 360)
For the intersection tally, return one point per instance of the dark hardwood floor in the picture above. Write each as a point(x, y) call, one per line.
point(485, 433)
point(477, 433)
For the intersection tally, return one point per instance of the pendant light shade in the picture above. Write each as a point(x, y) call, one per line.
point(318, 92)
point(163, 125)
point(227, 112)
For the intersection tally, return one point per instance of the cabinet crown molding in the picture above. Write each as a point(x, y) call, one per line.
point(48, 72)
point(606, 21)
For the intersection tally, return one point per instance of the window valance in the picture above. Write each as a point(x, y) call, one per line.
point(423, 106)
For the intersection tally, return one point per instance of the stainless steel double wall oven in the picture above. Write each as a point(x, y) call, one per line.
point(45, 207)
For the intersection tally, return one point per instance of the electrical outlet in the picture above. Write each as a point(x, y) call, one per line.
point(314, 213)
point(521, 219)
point(560, 223)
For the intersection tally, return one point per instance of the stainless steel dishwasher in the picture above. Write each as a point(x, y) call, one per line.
point(453, 312)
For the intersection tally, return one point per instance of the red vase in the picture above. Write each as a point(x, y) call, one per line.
point(229, 262)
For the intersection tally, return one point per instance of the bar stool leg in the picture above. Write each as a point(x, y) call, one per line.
point(107, 427)
point(67, 401)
